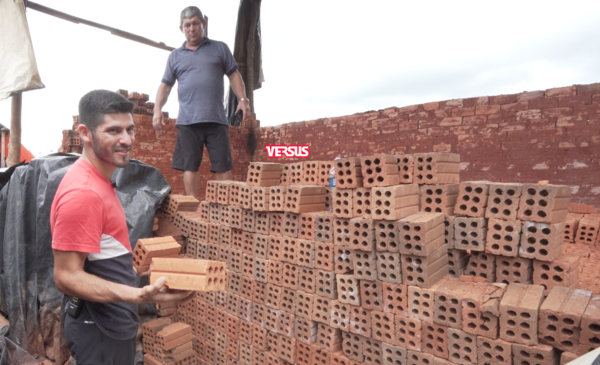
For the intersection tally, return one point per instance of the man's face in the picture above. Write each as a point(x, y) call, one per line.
point(113, 139)
point(193, 29)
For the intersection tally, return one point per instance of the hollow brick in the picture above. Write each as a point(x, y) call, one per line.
point(321, 309)
point(387, 236)
point(275, 246)
point(470, 233)
point(304, 304)
point(483, 265)
point(394, 202)
point(328, 338)
point(341, 203)
point(373, 351)
point(360, 321)
point(503, 201)
point(405, 171)
point(326, 285)
point(564, 271)
point(371, 293)
point(534, 355)
point(307, 280)
point(340, 315)
point(285, 323)
point(439, 198)
point(379, 170)
point(503, 237)
point(435, 339)
point(493, 351)
point(457, 262)
point(519, 310)
point(290, 224)
point(361, 203)
point(436, 168)
point(352, 346)
point(514, 270)
point(341, 231)
point(324, 227)
point(365, 264)
point(544, 203)
point(348, 289)
point(273, 296)
point(348, 173)
point(382, 326)
point(305, 330)
point(276, 198)
point(343, 260)
point(425, 271)
point(541, 241)
point(275, 224)
point(288, 300)
point(462, 347)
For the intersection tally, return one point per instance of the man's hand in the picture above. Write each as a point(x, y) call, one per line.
point(158, 293)
point(244, 106)
point(158, 121)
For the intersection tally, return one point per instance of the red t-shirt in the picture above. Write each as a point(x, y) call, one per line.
point(87, 216)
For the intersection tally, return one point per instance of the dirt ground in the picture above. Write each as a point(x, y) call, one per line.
point(589, 265)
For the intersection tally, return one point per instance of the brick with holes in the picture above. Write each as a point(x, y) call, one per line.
point(258, 292)
point(275, 224)
point(421, 233)
point(321, 311)
point(272, 296)
point(288, 300)
point(373, 351)
point(394, 202)
point(519, 313)
point(245, 353)
point(343, 260)
point(246, 332)
point(436, 168)
point(457, 262)
point(587, 231)
point(496, 352)
point(258, 356)
point(303, 354)
point(362, 234)
point(235, 217)
point(329, 338)
point(341, 203)
point(260, 269)
point(234, 192)
point(338, 358)
point(472, 199)
point(304, 304)
point(503, 237)
point(387, 236)
point(341, 231)
point(289, 250)
point(263, 174)
point(258, 314)
point(270, 319)
point(382, 326)
point(389, 267)
point(447, 303)
point(474, 319)
point(285, 323)
point(248, 220)
point(365, 264)
point(395, 298)
point(259, 337)
point(271, 357)
point(405, 171)
point(348, 173)
point(439, 198)
point(371, 293)
point(233, 326)
point(483, 265)
point(287, 346)
point(276, 198)
point(274, 272)
point(307, 226)
point(360, 321)
point(503, 201)
point(419, 358)
point(324, 256)
point(326, 285)
point(311, 172)
point(421, 302)
point(261, 222)
point(352, 346)
point(514, 270)
point(361, 203)
point(435, 339)
point(590, 326)
point(305, 198)
point(425, 271)
point(305, 330)
point(462, 347)
point(560, 317)
point(544, 203)
point(534, 355)
point(306, 280)
point(571, 226)
point(320, 356)
point(563, 271)
point(260, 247)
point(248, 266)
point(246, 288)
point(291, 222)
point(323, 227)
point(340, 315)
point(274, 248)
point(305, 252)
point(470, 233)
point(234, 281)
point(290, 276)
point(379, 170)
point(541, 241)
point(246, 197)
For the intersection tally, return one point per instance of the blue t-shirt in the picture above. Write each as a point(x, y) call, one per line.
point(199, 75)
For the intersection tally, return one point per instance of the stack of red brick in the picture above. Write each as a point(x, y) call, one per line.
point(368, 282)
point(582, 225)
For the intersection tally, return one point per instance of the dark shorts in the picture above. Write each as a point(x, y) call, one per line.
point(90, 346)
point(190, 145)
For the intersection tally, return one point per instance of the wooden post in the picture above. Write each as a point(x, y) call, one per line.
point(14, 144)
point(3, 151)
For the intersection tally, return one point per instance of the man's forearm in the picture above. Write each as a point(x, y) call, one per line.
point(162, 95)
point(237, 84)
point(93, 288)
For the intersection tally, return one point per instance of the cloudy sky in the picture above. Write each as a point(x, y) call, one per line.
point(320, 58)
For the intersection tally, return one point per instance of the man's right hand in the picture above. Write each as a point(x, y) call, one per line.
point(158, 121)
point(158, 293)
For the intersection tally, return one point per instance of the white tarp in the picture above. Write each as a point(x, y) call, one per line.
point(18, 69)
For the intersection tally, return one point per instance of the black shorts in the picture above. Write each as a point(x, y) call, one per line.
point(190, 145)
point(90, 346)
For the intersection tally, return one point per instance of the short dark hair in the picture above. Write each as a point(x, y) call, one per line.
point(189, 13)
point(95, 104)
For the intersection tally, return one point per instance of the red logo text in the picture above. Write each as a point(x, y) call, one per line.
point(279, 151)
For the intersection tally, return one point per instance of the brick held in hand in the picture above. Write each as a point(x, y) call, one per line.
point(189, 274)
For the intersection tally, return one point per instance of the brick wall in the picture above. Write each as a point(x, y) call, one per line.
point(550, 135)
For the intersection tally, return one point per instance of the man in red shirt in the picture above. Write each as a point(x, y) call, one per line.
point(92, 255)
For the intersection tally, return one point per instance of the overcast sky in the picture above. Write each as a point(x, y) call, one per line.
point(320, 58)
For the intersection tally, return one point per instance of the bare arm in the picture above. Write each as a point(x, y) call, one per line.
point(162, 95)
point(237, 85)
point(71, 279)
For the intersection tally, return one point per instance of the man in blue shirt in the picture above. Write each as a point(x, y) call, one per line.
point(199, 66)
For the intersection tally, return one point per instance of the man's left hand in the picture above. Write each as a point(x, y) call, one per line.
point(244, 106)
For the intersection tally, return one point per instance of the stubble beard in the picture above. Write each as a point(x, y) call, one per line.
point(108, 156)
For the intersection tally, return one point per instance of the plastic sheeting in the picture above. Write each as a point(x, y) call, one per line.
point(17, 60)
point(27, 291)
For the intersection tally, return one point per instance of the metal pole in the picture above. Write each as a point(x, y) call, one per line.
point(14, 144)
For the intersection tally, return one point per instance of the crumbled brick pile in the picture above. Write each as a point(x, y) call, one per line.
point(410, 267)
